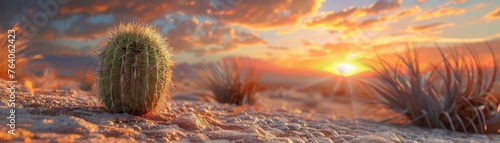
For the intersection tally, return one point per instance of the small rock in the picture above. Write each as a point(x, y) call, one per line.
point(371, 139)
point(280, 123)
point(191, 121)
point(198, 138)
point(347, 137)
point(389, 136)
point(294, 126)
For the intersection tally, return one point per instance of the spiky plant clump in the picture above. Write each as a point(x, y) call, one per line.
point(228, 84)
point(22, 56)
point(455, 95)
point(134, 69)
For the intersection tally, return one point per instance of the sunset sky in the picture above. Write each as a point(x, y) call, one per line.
point(294, 33)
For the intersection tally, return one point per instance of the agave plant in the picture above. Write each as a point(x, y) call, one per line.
point(22, 56)
point(228, 85)
point(455, 94)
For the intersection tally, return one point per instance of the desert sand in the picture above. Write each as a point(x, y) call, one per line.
point(72, 115)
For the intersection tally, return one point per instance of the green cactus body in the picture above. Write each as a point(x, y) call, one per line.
point(134, 69)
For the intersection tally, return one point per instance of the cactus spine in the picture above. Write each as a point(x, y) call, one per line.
point(134, 69)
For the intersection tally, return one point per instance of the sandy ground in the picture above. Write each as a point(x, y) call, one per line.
point(71, 115)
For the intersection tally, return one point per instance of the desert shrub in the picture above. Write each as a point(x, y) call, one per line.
point(229, 85)
point(134, 69)
point(455, 94)
point(22, 57)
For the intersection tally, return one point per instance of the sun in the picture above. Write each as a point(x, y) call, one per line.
point(345, 68)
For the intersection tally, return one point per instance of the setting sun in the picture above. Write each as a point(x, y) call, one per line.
point(345, 68)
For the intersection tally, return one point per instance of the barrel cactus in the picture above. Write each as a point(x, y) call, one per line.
point(134, 72)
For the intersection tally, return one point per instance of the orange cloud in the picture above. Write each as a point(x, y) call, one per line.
point(439, 13)
point(125, 9)
point(328, 49)
point(493, 15)
point(306, 43)
point(207, 37)
point(337, 18)
point(222, 38)
point(277, 47)
point(334, 17)
point(428, 27)
point(266, 14)
point(476, 7)
point(345, 21)
point(407, 12)
point(457, 1)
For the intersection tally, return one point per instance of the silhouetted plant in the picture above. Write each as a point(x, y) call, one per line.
point(455, 94)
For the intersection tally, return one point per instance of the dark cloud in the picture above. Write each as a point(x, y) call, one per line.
point(384, 6)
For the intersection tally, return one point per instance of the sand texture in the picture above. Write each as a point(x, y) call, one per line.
point(72, 115)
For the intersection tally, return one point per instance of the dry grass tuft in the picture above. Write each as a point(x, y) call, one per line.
point(22, 58)
point(456, 94)
point(229, 85)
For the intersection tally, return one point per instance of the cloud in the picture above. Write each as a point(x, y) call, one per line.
point(96, 16)
point(317, 53)
point(407, 12)
point(223, 38)
point(439, 13)
point(146, 10)
point(327, 49)
point(257, 14)
point(477, 6)
point(277, 47)
point(88, 20)
point(349, 28)
point(428, 27)
point(384, 6)
point(306, 43)
point(346, 21)
point(457, 1)
point(422, 1)
point(338, 48)
point(332, 18)
point(493, 15)
point(208, 37)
